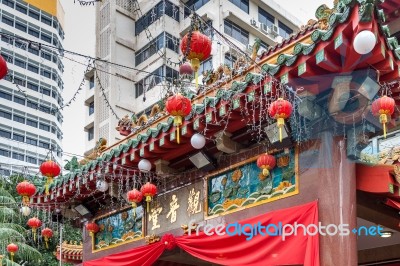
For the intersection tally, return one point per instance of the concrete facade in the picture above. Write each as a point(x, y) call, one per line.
point(127, 29)
point(31, 93)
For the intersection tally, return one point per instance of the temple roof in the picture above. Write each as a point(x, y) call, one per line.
point(71, 252)
point(322, 47)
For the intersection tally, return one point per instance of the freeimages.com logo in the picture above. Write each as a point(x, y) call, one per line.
point(283, 230)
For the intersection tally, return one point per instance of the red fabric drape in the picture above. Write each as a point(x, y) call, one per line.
point(236, 250)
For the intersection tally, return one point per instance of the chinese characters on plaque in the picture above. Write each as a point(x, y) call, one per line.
point(174, 209)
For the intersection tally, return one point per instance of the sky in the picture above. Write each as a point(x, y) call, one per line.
point(79, 30)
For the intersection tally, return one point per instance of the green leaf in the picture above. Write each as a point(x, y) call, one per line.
point(20, 229)
point(7, 262)
point(8, 234)
point(27, 253)
point(8, 214)
point(6, 200)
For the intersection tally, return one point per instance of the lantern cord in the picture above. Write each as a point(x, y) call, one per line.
point(177, 135)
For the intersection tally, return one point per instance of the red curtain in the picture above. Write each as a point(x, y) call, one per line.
point(236, 250)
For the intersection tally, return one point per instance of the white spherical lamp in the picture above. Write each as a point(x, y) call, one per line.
point(101, 185)
point(25, 210)
point(364, 42)
point(144, 165)
point(198, 141)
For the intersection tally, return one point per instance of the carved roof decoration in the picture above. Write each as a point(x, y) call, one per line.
point(71, 252)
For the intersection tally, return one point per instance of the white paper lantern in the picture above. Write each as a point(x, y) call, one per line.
point(144, 165)
point(101, 185)
point(198, 141)
point(364, 42)
point(25, 210)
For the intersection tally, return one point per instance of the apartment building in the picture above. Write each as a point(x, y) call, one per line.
point(30, 95)
point(145, 35)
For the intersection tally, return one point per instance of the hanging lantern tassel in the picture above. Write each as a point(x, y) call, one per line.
point(281, 124)
point(34, 234)
point(48, 183)
point(383, 119)
point(265, 172)
point(195, 65)
point(12, 256)
point(177, 124)
point(134, 205)
point(46, 240)
point(148, 199)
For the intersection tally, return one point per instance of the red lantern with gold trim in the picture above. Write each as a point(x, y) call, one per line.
point(47, 233)
point(383, 107)
point(266, 162)
point(26, 190)
point(3, 67)
point(34, 223)
point(280, 110)
point(93, 228)
point(134, 196)
point(12, 248)
point(178, 106)
point(148, 190)
point(49, 169)
point(197, 47)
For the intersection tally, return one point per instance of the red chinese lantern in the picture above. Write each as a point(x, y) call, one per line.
point(148, 190)
point(3, 67)
point(383, 107)
point(280, 110)
point(134, 196)
point(185, 70)
point(34, 223)
point(26, 190)
point(12, 248)
point(47, 233)
point(178, 106)
point(49, 169)
point(266, 162)
point(93, 228)
point(196, 47)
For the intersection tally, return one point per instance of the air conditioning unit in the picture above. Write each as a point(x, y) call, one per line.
point(264, 28)
point(253, 22)
point(274, 30)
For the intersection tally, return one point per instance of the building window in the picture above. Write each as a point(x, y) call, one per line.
point(264, 45)
point(31, 141)
point(161, 41)
point(19, 100)
point(33, 32)
point(91, 82)
point(31, 160)
point(155, 13)
point(33, 86)
point(44, 109)
point(19, 81)
point(205, 66)
point(46, 56)
point(193, 5)
point(34, 15)
point(43, 144)
point(18, 156)
point(21, 9)
point(18, 137)
point(20, 63)
point(33, 68)
point(8, 21)
point(236, 32)
point(242, 4)
point(5, 95)
point(284, 30)
point(32, 105)
point(45, 91)
point(265, 17)
point(5, 134)
point(45, 73)
point(4, 153)
point(20, 26)
point(46, 21)
point(5, 114)
point(33, 50)
point(155, 78)
point(44, 127)
point(19, 119)
point(230, 60)
point(31, 123)
point(91, 108)
point(9, 3)
point(90, 133)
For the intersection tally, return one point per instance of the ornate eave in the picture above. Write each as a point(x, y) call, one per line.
point(72, 253)
point(299, 59)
